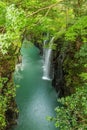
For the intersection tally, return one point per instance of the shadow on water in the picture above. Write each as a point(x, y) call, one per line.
point(36, 99)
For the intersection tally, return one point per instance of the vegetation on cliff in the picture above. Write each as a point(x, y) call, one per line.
point(67, 21)
point(10, 43)
point(72, 114)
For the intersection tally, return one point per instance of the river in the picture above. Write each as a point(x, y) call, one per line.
point(36, 98)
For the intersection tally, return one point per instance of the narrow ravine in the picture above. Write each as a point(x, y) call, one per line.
point(36, 98)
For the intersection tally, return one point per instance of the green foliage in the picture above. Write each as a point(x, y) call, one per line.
point(64, 19)
point(72, 114)
point(35, 17)
point(14, 24)
point(6, 94)
point(15, 19)
point(79, 29)
point(78, 6)
point(2, 13)
point(3, 106)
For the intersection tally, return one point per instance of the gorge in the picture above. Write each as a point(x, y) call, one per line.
point(36, 98)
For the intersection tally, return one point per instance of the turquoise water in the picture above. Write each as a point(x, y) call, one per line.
point(36, 98)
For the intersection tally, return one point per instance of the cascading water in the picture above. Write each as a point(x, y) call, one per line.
point(47, 60)
point(44, 50)
point(46, 41)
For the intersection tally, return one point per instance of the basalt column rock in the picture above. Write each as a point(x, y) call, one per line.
point(58, 58)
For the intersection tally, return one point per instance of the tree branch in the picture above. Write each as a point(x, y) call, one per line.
point(44, 8)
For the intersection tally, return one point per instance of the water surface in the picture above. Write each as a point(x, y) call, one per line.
point(36, 98)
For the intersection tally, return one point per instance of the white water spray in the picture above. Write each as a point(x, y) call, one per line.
point(47, 61)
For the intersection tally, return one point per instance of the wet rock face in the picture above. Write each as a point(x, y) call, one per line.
point(19, 59)
point(39, 45)
point(57, 67)
point(58, 80)
point(12, 114)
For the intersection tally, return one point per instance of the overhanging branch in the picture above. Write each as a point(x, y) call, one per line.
point(44, 8)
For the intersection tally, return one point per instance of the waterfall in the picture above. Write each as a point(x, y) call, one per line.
point(44, 50)
point(47, 60)
point(46, 41)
